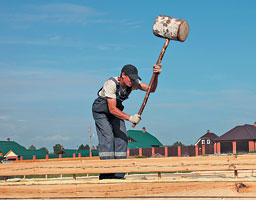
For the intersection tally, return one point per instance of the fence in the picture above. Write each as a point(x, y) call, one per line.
point(146, 152)
point(180, 151)
point(51, 157)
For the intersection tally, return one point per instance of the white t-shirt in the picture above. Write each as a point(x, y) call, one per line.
point(109, 88)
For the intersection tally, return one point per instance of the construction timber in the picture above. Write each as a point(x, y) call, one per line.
point(206, 177)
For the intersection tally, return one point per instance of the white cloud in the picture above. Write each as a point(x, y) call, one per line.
point(172, 105)
point(54, 37)
point(52, 138)
point(131, 24)
point(3, 117)
point(57, 13)
point(66, 13)
point(240, 100)
point(66, 8)
point(114, 47)
point(63, 13)
point(14, 17)
point(107, 47)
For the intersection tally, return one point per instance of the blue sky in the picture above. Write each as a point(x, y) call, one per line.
point(55, 55)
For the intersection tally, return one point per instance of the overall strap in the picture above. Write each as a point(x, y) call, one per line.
point(116, 82)
point(98, 93)
point(120, 93)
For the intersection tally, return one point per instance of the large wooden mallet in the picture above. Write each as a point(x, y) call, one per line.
point(171, 29)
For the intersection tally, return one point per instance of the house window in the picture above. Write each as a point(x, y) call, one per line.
point(203, 141)
point(208, 141)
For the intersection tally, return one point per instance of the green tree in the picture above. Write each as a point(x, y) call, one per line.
point(44, 149)
point(175, 144)
point(83, 147)
point(32, 147)
point(57, 148)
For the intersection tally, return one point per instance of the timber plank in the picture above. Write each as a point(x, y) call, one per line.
point(141, 198)
point(213, 177)
point(211, 163)
point(182, 188)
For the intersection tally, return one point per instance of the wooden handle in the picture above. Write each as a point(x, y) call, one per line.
point(152, 79)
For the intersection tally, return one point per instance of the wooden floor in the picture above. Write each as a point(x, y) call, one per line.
point(237, 180)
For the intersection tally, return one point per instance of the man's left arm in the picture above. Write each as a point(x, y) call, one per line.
point(157, 69)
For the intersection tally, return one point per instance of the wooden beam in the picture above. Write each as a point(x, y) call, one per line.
point(180, 188)
point(214, 177)
point(170, 164)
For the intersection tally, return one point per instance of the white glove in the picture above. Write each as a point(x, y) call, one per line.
point(157, 69)
point(135, 119)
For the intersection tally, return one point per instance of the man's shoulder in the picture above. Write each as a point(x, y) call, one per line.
point(109, 88)
point(111, 81)
point(111, 84)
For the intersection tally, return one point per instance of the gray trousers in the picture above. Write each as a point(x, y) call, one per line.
point(112, 137)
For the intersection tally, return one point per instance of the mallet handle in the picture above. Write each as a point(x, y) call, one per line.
point(153, 78)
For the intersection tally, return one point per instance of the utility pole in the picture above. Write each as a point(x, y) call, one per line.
point(90, 140)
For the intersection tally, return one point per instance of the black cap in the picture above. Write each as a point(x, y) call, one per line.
point(131, 71)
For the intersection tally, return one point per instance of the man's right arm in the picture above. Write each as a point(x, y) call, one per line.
point(120, 114)
point(116, 111)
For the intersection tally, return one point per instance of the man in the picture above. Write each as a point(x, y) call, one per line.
point(109, 117)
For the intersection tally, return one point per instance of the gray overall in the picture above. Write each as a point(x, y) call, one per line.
point(111, 130)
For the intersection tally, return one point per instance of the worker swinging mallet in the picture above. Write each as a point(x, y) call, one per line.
point(171, 29)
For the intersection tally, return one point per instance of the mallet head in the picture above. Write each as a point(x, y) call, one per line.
point(171, 28)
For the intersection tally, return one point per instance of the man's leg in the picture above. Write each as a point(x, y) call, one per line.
point(120, 140)
point(106, 142)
